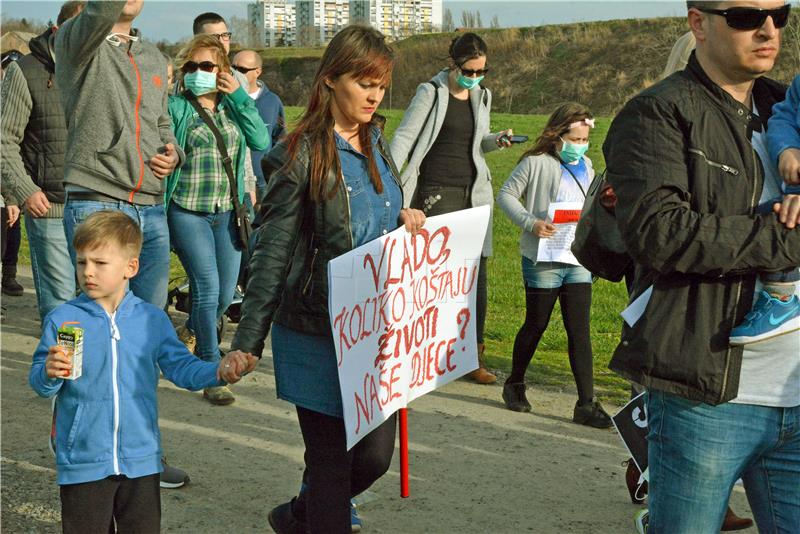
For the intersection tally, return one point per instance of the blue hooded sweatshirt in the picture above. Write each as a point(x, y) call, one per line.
point(107, 419)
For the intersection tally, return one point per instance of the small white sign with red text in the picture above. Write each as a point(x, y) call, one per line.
point(402, 312)
point(564, 215)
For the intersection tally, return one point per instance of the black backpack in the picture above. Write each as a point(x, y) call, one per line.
point(598, 243)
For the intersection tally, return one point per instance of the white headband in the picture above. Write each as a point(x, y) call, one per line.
point(586, 122)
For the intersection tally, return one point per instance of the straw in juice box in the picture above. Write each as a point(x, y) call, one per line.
point(71, 338)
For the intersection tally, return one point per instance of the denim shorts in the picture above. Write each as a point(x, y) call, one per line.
point(550, 275)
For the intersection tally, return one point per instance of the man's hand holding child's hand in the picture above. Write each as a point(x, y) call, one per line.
point(234, 365)
point(788, 210)
point(58, 363)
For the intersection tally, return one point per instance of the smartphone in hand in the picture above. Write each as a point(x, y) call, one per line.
point(518, 139)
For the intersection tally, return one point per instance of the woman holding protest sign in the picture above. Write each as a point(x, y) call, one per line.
point(335, 188)
point(443, 137)
point(554, 172)
point(214, 121)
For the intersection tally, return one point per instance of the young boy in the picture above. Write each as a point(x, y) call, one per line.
point(108, 451)
point(777, 308)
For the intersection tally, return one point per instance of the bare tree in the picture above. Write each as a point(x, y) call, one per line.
point(243, 32)
point(495, 22)
point(447, 21)
point(22, 25)
point(468, 19)
point(478, 23)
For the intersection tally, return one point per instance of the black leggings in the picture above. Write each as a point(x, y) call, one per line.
point(482, 300)
point(576, 303)
point(334, 475)
point(11, 244)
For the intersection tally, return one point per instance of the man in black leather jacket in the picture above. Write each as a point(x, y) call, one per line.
point(682, 157)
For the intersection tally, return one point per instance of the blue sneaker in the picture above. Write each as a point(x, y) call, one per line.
point(642, 520)
point(769, 317)
point(355, 521)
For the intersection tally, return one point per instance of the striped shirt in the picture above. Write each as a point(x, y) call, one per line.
point(203, 184)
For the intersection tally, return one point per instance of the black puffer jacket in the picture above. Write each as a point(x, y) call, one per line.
point(687, 178)
point(44, 141)
point(289, 265)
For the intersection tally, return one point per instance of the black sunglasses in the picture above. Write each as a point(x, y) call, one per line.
point(192, 66)
point(224, 36)
point(244, 70)
point(470, 72)
point(751, 18)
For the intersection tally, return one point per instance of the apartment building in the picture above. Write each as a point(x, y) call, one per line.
point(319, 20)
point(315, 22)
point(398, 19)
point(275, 21)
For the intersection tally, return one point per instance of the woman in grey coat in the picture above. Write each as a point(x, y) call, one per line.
point(554, 170)
point(443, 137)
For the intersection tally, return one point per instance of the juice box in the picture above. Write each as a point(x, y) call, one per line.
point(71, 338)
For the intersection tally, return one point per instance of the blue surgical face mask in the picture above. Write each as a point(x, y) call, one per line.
point(571, 151)
point(469, 83)
point(200, 82)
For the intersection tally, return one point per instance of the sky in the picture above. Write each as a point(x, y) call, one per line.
point(172, 20)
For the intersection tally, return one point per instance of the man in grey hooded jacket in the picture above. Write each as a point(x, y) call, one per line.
point(119, 143)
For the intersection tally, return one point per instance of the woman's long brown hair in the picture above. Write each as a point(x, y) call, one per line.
point(362, 52)
point(557, 125)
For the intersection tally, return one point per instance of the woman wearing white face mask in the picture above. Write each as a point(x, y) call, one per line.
point(199, 195)
point(554, 170)
point(443, 137)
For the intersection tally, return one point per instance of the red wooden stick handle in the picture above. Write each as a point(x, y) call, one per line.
point(403, 453)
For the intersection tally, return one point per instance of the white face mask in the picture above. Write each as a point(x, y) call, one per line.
point(117, 39)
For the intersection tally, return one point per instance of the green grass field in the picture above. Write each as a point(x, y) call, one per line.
point(550, 366)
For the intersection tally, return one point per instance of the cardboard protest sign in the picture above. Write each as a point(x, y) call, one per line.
point(402, 312)
point(631, 425)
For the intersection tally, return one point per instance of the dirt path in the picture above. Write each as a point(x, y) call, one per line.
point(475, 466)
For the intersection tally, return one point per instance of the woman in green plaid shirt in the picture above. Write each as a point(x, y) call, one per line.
point(198, 194)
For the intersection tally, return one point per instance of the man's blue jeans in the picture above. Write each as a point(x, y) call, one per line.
point(205, 244)
point(151, 283)
point(53, 273)
point(696, 452)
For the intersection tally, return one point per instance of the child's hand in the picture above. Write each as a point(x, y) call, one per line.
point(789, 166)
point(788, 210)
point(58, 363)
point(234, 365)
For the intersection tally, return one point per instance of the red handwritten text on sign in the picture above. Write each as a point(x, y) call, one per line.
point(400, 315)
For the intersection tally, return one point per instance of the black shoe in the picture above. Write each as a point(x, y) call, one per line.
point(172, 477)
point(591, 414)
point(12, 288)
point(514, 397)
point(283, 521)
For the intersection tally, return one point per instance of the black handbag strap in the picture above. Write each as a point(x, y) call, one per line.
point(227, 162)
point(574, 178)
